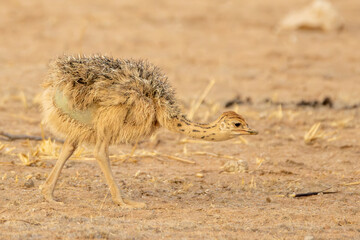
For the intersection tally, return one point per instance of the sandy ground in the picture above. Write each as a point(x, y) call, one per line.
point(234, 43)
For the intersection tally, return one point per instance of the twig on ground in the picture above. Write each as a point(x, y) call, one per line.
point(178, 159)
point(157, 155)
point(296, 195)
point(13, 137)
point(20, 220)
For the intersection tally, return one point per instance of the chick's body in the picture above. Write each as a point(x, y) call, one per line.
point(100, 98)
point(103, 101)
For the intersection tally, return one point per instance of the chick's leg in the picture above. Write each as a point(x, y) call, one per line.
point(102, 156)
point(48, 187)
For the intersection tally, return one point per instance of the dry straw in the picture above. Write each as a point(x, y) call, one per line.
point(198, 102)
point(314, 134)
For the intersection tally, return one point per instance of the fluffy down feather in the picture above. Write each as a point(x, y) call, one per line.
point(101, 98)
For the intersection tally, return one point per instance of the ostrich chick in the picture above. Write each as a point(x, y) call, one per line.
point(103, 101)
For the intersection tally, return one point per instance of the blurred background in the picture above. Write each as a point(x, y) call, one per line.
point(236, 43)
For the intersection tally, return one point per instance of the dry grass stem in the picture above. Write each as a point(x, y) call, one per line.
point(252, 183)
point(103, 202)
point(49, 147)
point(2, 146)
point(313, 134)
point(145, 154)
point(185, 151)
point(204, 153)
point(133, 151)
point(2, 211)
point(351, 184)
point(179, 159)
point(197, 104)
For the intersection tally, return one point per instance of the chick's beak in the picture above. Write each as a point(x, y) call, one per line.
point(252, 132)
point(246, 132)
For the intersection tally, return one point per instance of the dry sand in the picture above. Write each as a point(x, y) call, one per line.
point(236, 44)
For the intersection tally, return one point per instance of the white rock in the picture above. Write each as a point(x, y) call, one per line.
point(319, 15)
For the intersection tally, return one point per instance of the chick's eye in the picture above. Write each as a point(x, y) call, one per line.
point(237, 124)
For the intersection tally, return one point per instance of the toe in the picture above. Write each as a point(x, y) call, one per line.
point(135, 204)
point(50, 198)
point(126, 203)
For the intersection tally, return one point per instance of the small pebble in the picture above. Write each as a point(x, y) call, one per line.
point(268, 200)
point(39, 177)
point(29, 183)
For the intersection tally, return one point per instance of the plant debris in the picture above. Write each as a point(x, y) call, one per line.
point(238, 101)
point(200, 100)
point(327, 102)
point(315, 133)
point(13, 137)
